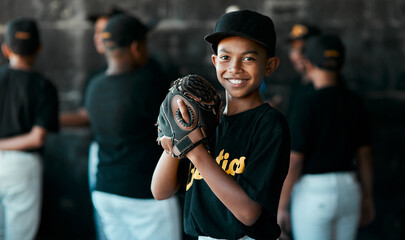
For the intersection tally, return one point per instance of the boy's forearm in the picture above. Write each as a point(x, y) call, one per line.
point(32, 140)
point(164, 180)
point(225, 187)
point(74, 119)
point(294, 173)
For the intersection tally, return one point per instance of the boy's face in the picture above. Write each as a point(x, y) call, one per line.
point(99, 26)
point(296, 57)
point(241, 65)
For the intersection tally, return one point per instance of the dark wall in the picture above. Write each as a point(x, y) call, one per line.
point(374, 34)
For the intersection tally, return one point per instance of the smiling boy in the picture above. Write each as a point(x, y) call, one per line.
point(232, 191)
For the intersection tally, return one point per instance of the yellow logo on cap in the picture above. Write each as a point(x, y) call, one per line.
point(105, 35)
point(298, 30)
point(23, 35)
point(331, 53)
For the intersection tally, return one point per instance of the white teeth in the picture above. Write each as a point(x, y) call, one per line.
point(235, 81)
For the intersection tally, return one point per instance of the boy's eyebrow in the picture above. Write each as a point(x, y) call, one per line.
point(243, 53)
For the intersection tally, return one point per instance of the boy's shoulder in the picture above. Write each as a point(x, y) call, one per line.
point(273, 118)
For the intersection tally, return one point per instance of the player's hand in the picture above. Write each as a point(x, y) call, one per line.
point(367, 211)
point(284, 220)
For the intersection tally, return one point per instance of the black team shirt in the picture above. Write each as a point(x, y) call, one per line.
point(328, 126)
point(27, 99)
point(123, 110)
point(254, 148)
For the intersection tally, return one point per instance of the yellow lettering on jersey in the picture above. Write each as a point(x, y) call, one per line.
point(195, 174)
point(236, 166)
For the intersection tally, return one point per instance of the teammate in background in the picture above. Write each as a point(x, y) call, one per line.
point(28, 111)
point(301, 85)
point(80, 118)
point(329, 130)
point(233, 191)
point(123, 105)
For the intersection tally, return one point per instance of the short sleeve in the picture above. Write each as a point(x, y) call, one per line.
point(47, 108)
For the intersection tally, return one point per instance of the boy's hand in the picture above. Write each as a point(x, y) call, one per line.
point(188, 115)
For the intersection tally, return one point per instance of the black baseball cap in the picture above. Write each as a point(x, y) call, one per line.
point(302, 31)
point(122, 30)
point(107, 12)
point(244, 23)
point(22, 36)
point(325, 51)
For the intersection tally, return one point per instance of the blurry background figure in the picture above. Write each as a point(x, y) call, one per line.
point(301, 85)
point(329, 131)
point(28, 112)
point(99, 21)
point(79, 118)
point(123, 105)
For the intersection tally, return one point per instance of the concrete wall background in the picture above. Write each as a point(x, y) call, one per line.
point(374, 34)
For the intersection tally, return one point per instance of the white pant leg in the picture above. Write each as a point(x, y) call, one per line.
point(349, 207)
point(20, 193)
point(1, 219)
point(210, 238)
point(320, 205)
point(92, 167)
point(138, 219)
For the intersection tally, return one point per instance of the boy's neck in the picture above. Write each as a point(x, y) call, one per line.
point(21, 63)
point(324, 79)
point(238, 105)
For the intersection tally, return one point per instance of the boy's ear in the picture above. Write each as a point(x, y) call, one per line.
point(135, 48)
point(214, 59)
point(6, 50)
point(272, 64)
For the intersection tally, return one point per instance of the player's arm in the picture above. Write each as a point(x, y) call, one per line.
point(294, 173)
point(164, 180)
point(31, 140)
point(225, 187)
point(74, 119)
point(365, 168)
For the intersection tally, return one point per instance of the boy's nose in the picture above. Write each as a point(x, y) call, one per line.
point(235, 66)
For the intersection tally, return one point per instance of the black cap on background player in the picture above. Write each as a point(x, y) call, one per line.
point(122, 30)
point(107, 12)
point(296, 38)
point(302, 31)
point(22, 36)
point(327, 52)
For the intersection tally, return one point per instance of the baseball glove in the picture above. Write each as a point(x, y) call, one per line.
point(204, 108)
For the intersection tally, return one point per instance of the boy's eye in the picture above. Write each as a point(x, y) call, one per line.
point(224, 57)
point(249, 59)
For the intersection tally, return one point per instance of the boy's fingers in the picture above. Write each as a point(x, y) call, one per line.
point(183, 110)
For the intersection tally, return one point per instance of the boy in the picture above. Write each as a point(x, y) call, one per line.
point(28, 111)
point(234, 193)
point(123, 104)
point(329, 130)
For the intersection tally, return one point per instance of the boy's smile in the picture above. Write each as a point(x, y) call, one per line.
point(241, 65)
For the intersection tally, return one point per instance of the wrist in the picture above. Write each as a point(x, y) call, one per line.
point(196, 152)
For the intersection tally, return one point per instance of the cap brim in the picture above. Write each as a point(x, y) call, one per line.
point(215, 38)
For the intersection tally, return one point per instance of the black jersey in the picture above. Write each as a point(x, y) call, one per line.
point(253, 147)
point(328, 126)
point(27, 99)
point(123, 110)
